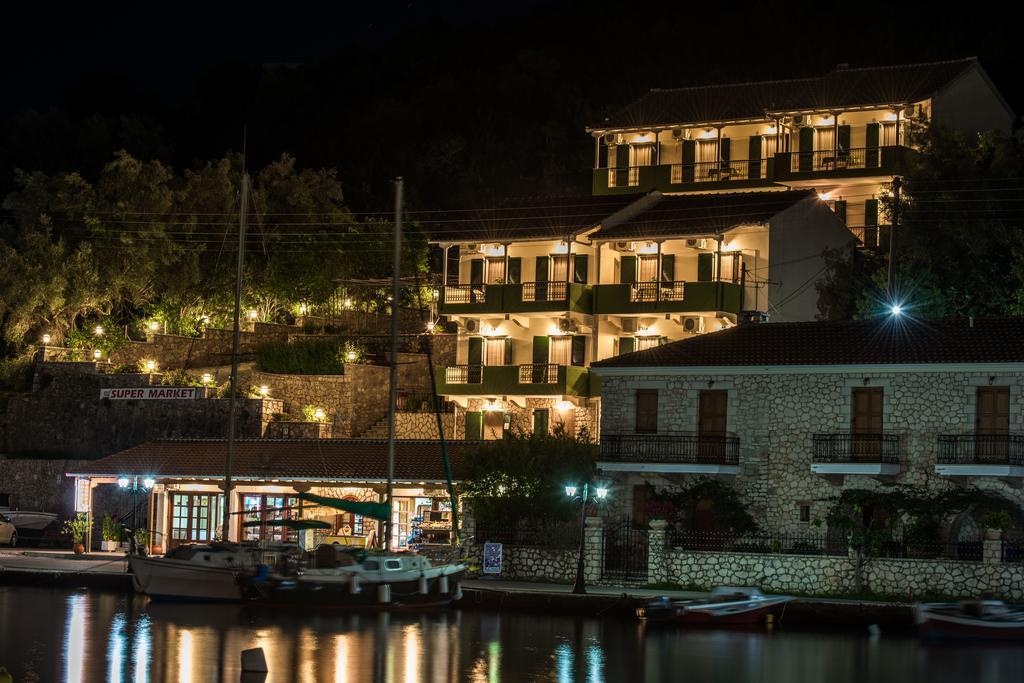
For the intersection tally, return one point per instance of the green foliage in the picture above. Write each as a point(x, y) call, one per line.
point(85, 338)
point(78, 527)
point(16, 373)
point(729, 509)
point(524, 477)
point(309, 414)
point(180, 378)
point(313, 357)
point(996, 519)
point(110, 529)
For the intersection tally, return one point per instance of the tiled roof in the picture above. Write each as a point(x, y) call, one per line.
point(681, 215)
point(334, 459)
point(849, 342)
point(540, 219)
point(842, 87)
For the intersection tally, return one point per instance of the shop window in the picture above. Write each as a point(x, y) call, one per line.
point(195, 517)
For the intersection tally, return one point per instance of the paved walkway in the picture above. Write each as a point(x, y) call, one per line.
point(64, 561)
point(537, 587)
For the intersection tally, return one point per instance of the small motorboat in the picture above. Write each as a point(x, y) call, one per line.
point(971, 619)
point(726, 606)
point(352, 578)
point(33, 527)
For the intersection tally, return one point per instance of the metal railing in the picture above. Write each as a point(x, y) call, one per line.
point(855, 447)
point(465, 294)
point(673, 447)
point(1012, 551)
point(624, 176)
point(545, 291)
point(834, 160)
point(799, 543)
point(713, 171)
point(967, 550)
point(407, 401)
point(981, 449)
point(464, 374)
point(538, 373)
point(658, 291)
point(870, 236)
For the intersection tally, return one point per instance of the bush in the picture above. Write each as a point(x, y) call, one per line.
point(305, 358)
point(16, 373)
point(180, 378)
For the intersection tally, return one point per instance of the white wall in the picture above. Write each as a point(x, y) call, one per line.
point(971, 105)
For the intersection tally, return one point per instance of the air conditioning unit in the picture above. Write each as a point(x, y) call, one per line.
point(908, 110)
point(677, 133)
point(567, 325)
point(786, 120)
point(798, 119)
point(629, 325)
point(625, 246)
point(472, 248)
point(700, 243)
point(609, 138)
point(693, 324)
point(472, 325)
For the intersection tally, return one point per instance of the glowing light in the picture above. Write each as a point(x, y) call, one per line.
point(141, 648)
point(347, 303)
point(489, 331)
point(116, 649)
point(154, 326)
point(207, 378)
point(46, 339)
point(771, 130)
point(827, 120)
point(341, 659)
point(253, 314)
point(123, 482)
point(709, 133)
point(413, 654)
point(351, 356)
point(75, 639)
point(601, 492)
point(824, 196)
point(205, 320)
point(570, 491)
point(564, 405)
point(150, 365)
point(494, 407)
point(595, 664)
point(184, 656)
point(318, 413)
point(645, 331)
point(264, 390)
point(148, 482)
point(97, 354)
point(98, 330)
point(896, 310)
point(303, 309)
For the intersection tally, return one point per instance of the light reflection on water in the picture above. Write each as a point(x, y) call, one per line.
point(117, 638)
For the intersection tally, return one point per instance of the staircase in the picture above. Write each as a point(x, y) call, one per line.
point(378, 430)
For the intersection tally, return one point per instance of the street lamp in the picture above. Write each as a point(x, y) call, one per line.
point(600, 493)
point(896, 310)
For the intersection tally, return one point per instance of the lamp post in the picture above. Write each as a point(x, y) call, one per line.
point(135, 486)
point(583, 493)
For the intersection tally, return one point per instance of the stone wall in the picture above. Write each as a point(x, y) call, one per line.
point(35, 484)
point(64, 415)
point(213, 347)
point(289, 429)
point(520, 418)
point(774, 415)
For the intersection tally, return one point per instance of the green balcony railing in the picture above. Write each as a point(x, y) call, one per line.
point(667, 297)
point(525, 297)
point(842, 163)
point(517, 380)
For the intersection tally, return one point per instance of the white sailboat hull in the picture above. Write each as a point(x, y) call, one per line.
point(168, 579)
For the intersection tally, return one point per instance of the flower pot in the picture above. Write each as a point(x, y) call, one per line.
point(108, 546)
point(158, 550)
point(79, 549)
point(658, 524)
point(993, 534)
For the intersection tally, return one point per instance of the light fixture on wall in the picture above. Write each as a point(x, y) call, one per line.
point(46, 339)
point(98, 330)
point(97, 354)
point(564, 405)
point(493, 406)
point(253, 314)
point(150, 366)
point(303, 309)
point(207, 378)
point(264, 390)
point(318, 413)
point(351, 356)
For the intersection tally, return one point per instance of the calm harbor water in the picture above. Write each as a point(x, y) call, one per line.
point(72, 636)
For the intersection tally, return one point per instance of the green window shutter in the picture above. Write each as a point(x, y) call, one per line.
point(476, 348)
point(474, 425)
point(621, 165)
point(723, 148)
point(540, 350)
point(754, 157)
point(844, 140)
point(579, 350)
point(476, 271)
point(627, 345)
point(515, 271)
point(508, 351)
point(871, 143)
point(628, 271)
point(689, 158)
point(668, 267)
point(806, 149)
point(579, 269)
point(542, 268)
point(705, 267)
point(841, 209)
point(871, 212)
point(540, 421)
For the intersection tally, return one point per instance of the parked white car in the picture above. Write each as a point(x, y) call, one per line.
point(8, 534)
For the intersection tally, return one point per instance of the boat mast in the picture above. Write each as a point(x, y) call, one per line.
point(242, 220)
point(393, 384)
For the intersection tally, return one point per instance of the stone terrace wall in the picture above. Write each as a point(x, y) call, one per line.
point(64, 416)
point(39, 484)
point(213, 347)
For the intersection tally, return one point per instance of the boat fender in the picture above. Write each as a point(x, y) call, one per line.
point(384, 593)
point(254, 660)
point(423, 586)
point(457, 593)
point(874, 630)
point(353, 585)
point(442, 584)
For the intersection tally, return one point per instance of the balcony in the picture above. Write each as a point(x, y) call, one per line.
point(855, 453)
point(526, 297)
point(667, 297)
point(679, 452)
point(863, 161)
point(516, 380)
point(871, 236)
point(980, 455)
point(705, 175)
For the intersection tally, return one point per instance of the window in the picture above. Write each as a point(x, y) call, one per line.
point(711, 424)
point(195, 517)
point(646, 411)
point(541, 419)
point(561, 351)
point(992, 410)
point(866, 423)
point(648, 342)
point(495, 270)
point(261, 508)
point(805, 513)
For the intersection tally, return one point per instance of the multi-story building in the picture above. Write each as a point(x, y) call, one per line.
point(843, 133)
point(710, 205)
point(790, 414)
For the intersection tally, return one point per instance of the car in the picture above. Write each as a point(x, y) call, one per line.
point(8, 534)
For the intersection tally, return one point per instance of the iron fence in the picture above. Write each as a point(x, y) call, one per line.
point(407, 401)
point(465, 294)
point(624, 176)
point(1012, 550)
point(828, 543)
point(968, 550)
point(464, 374)
point(658, 291)
point(833, 159)
point(538, 373)
point(981, 449)
point(671, 447)
point(555, 290)
point(854, 447)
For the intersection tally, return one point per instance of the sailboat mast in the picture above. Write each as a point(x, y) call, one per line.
point(393, 384)
point(242, 221)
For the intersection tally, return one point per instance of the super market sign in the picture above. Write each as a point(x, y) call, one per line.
point(148, 393)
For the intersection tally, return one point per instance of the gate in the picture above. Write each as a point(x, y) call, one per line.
point(623, 551)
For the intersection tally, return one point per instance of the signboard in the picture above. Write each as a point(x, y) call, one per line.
point(81, 494)
point(148, 393)
point(492, 558)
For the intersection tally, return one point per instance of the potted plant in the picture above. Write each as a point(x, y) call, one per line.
point(142, 541)
point(111, 531)
point(995, 523)
point(78, 528)
point(658, 513)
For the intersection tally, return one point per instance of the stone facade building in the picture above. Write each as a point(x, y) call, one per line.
point(791, 414)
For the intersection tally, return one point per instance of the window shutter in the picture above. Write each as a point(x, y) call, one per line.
point(542, 268)
point(476, 346)
point(723, 148)
point(540, 350)
point(621, 165)
point(844, 140)
point(806, 149)
point(627, 345)
point(579, 350)
point(515, 271)
point(668, 267)
point(476, 271)
point(754, 157)
point(474, 425)
point(705, 267)
point(841, 209)
point(871, 143)
point(646, 411)
point(579, 269)
point(540, 421)
point(689, 157)
point(871, 212)
point(628, 270)
point(508, 351)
